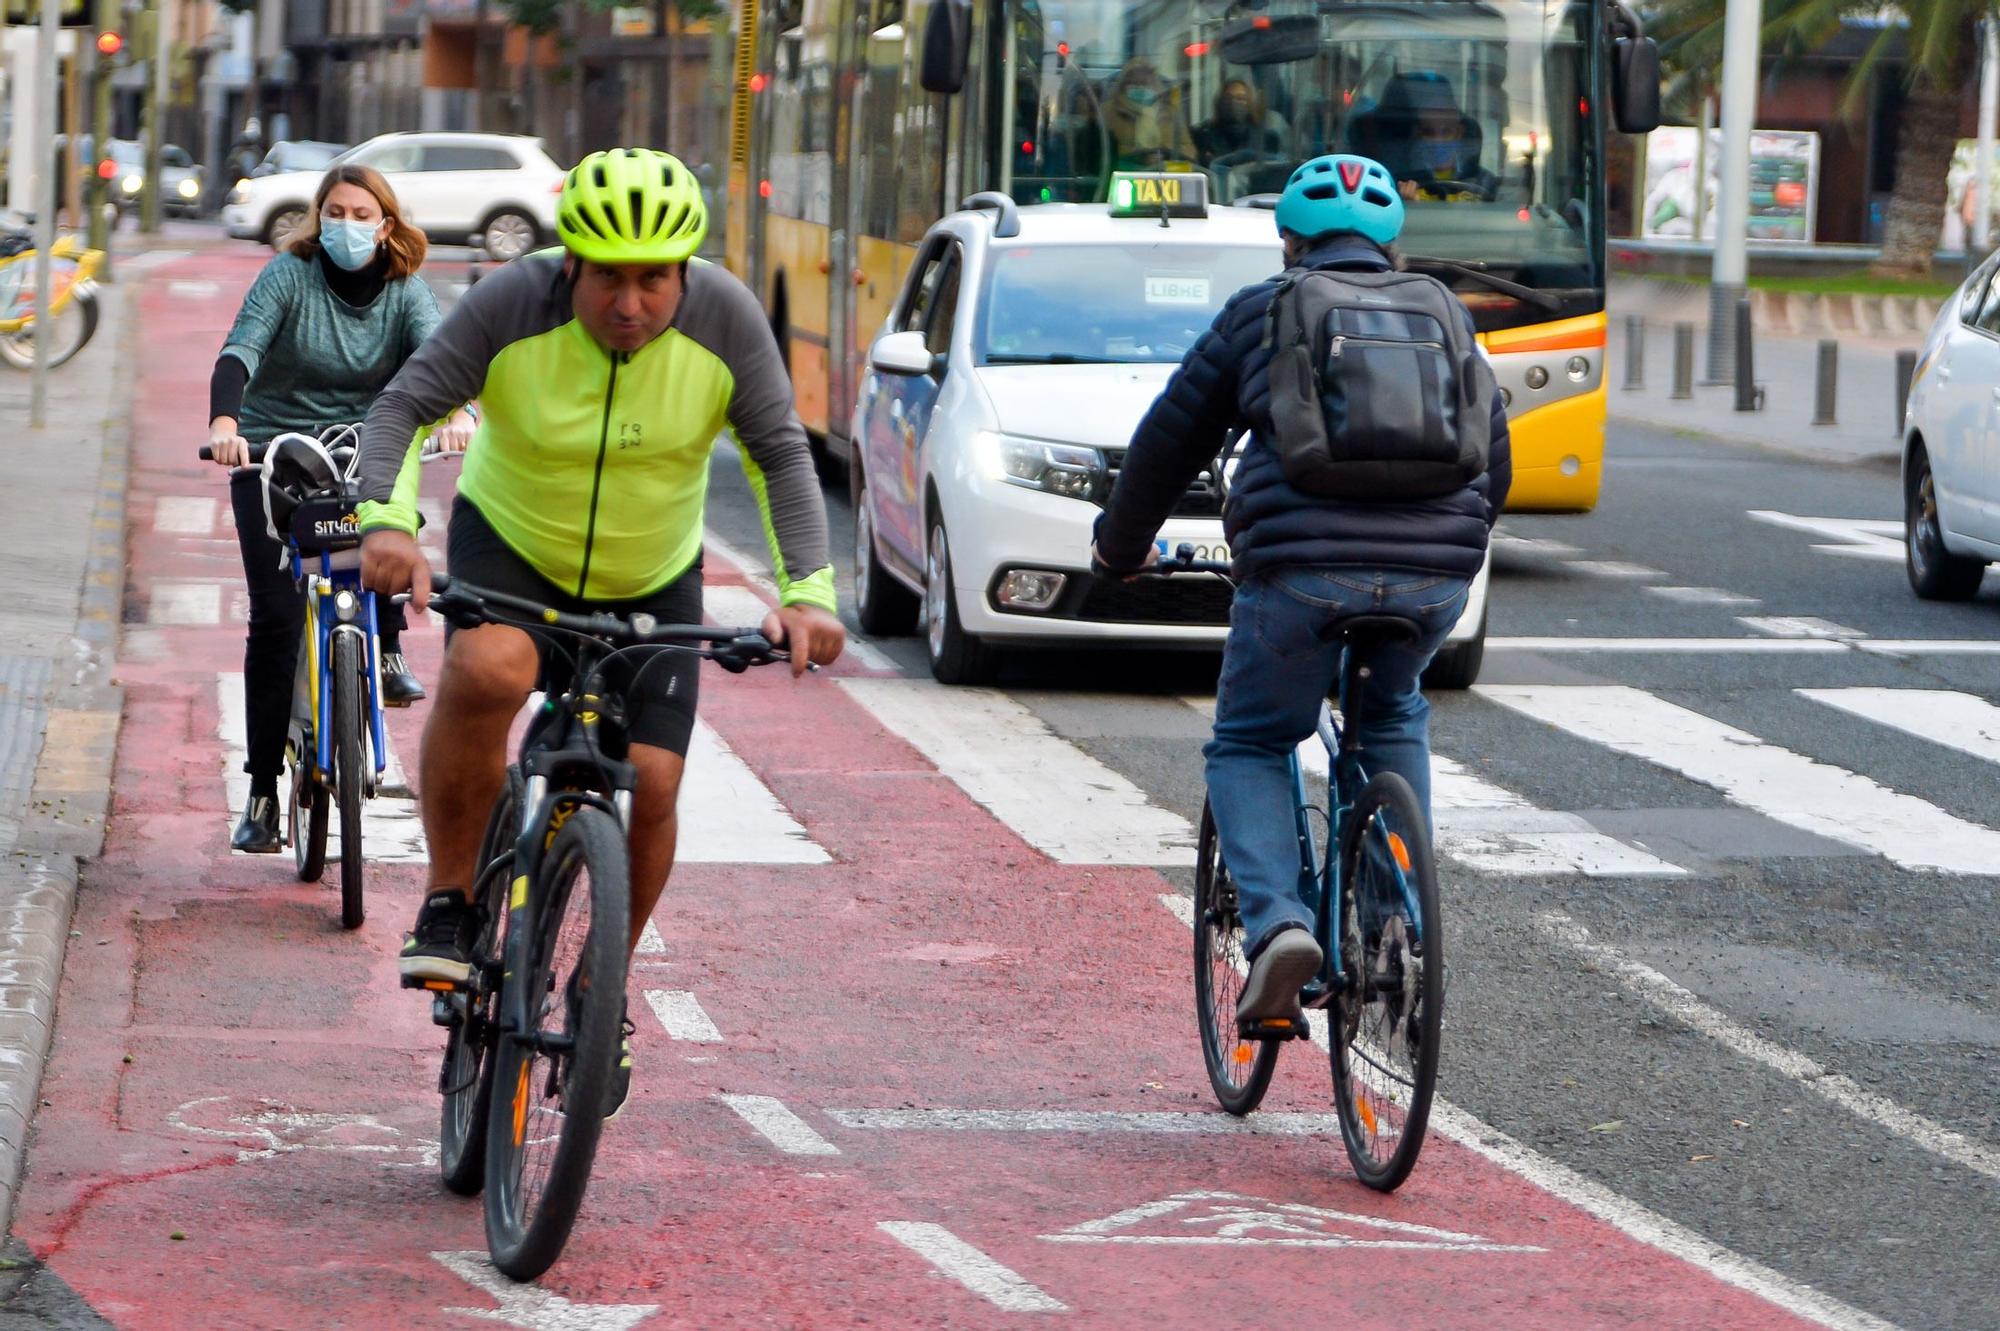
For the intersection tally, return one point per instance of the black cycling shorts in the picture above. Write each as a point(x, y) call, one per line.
point(661, 711)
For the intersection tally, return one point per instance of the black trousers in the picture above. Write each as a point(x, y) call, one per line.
point(271, 648)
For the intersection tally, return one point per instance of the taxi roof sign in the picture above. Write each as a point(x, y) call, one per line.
point(1160, 194)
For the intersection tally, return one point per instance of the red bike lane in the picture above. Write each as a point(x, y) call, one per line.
point(937, 1080)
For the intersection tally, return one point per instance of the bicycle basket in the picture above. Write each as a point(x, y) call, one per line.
point(324, 523)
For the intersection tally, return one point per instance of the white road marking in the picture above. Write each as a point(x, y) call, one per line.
point(1489, 828)
point(1682, 1005)
point(650, 942)
point(682, 1016)
point(141, 263)
point(733, 606)
point(1052, 794)
point(1231, 1219)
point(728, 816)
point(1534, 545)
point(1703, 596)
point(1801, 792)
point(863, 651)
point(1859, 538)
point(1931, 646)
point(531, 1306)
point(954, 1257)
point(185, 603)
point(390, 828)
point(1613, 568)
point(181, 515)
point(1956, 720)
point(779, 1125)
point(1621, 1213)
point(1701, 646)
point(1090, 1121)
point(191, 290)
point(1798, 626)
point(282, 1129)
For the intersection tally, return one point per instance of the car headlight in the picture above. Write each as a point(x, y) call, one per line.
point(188, 189)
point(239, 196)
point(133, 184)
point(1058, 469)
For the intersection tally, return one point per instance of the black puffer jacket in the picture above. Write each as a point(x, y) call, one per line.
point(1223, 382)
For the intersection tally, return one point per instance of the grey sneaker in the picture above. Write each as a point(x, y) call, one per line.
point(439, 946)
point(1270, 998)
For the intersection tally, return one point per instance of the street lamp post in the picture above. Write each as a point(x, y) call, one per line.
point(1982, 159)
point(1732, 206)
point(45, 208)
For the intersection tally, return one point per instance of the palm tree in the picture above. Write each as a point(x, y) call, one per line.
point(1939, 40)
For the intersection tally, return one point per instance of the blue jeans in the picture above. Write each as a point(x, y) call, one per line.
point(1276, 668)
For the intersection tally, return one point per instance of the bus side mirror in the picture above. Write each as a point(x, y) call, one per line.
point(1635, 94)
point(947, 46)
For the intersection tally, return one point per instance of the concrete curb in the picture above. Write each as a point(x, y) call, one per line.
point(71, 796)
point(1888, 456)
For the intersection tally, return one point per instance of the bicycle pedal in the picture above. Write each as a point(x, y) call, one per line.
point(435, 986)
point(443, 1013)
point(1273, 1028)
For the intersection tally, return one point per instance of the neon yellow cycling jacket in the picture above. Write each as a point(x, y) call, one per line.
point(592, 465)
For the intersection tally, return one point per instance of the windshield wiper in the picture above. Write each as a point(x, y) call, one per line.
point(1477, 272)
point(1052, 358)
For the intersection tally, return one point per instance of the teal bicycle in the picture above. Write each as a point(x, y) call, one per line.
point(1368, 873)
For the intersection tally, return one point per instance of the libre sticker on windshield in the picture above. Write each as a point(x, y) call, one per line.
point(1176, 290)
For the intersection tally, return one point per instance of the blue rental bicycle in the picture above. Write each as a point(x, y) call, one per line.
point(335, 748)
point(1367, 871)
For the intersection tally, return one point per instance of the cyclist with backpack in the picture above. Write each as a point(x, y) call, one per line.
point(1376, 464)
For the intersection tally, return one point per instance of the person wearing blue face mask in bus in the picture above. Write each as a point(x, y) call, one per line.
point(1148, 129)
point(1429, 145)
point(326, 325)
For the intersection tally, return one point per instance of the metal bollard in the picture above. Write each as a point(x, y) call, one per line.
point(1635, 353)
point(1746, 378)
point(1826, 383)
point(1906, 370)
point(478, 244)
point(1683, 361)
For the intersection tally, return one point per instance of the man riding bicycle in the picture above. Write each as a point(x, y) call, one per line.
point(605, 371)
point(1304, 561)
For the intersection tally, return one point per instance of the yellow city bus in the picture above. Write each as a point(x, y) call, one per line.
point(857, 123)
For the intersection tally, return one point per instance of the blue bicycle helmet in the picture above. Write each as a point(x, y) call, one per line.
point(1342, 192)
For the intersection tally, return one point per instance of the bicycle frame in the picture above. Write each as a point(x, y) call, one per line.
point(323, 623)
point(74, 267)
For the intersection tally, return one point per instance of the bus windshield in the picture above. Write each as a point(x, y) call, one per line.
point(1482, 109)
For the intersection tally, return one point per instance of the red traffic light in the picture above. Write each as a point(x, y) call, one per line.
point(110, 43)
point(107, 170)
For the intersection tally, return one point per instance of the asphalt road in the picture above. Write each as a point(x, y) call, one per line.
point(1828, 953)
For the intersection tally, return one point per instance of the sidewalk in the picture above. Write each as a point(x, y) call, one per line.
point(62, 509)
point(1865, 403)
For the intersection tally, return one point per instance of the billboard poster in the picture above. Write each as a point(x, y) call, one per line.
point(1959, 201)
point(1784, 184)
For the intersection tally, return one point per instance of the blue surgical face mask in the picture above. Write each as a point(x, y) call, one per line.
point(1142, 96)
point(1438, 154)
point(349, 244)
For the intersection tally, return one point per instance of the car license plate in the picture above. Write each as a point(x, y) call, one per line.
point(1205, 552)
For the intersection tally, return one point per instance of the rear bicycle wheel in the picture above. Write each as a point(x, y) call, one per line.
point(1388, 1016)
point(1239, 1070)
point(551, 1080)
point(465, 1081)
point(305, 815)
point(349, 715)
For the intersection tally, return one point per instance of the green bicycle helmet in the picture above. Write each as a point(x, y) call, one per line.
point(631, 205)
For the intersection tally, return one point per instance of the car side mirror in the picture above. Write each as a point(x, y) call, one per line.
point(904, 354)
point(947, 46)
point(1635, 94)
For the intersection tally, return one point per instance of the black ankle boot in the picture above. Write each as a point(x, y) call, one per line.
point(258, 834)
point(400, 685)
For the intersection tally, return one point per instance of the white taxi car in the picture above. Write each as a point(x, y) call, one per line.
point(1000, 398)
point(1951, 445)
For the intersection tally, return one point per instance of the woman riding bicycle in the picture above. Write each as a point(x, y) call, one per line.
point(1303, 562)
point(324, 329)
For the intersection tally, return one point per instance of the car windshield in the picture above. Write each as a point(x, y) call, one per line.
point(306, 156)
point(1104, 304)
point(1480, 108)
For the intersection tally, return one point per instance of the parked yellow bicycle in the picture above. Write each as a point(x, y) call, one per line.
point(72, 301)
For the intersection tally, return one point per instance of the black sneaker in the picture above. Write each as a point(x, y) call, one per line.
point(439, 946)
point(400, 685)
point(621, 1074)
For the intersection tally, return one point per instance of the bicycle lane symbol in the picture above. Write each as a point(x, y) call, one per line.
point(1231, 1219)
point(282, 1129)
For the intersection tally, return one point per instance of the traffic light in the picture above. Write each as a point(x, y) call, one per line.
point(110, 44)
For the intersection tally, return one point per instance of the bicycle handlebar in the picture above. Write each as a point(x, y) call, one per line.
point(734, 649)
point(1183, 561)
point(257, 452)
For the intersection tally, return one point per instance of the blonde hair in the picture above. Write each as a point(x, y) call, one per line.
point(406, 245)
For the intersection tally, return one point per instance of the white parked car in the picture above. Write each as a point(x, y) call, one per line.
point(454, 186)
point(1951, 445)
point(1001, 395)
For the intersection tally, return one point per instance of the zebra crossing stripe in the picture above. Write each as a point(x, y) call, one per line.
point(1490, 828)
point(1052, 794)
point(728, 816)
point(1801, 792)
point(1956, 720)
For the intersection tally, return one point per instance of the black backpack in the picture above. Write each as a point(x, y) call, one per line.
point(1378, 392)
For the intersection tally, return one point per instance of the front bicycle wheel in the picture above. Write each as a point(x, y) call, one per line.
point(349, 782)
point(551, 1080)
point(466, 1079)
point(1384, 1036)
point(1239, 1070)
point(74, 324)
point(305, 816)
